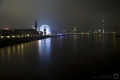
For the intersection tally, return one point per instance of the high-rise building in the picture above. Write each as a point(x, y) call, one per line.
point(103, 25)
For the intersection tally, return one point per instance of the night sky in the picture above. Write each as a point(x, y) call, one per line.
point(60, 14)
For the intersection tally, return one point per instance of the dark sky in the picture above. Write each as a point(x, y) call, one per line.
point(60, 14)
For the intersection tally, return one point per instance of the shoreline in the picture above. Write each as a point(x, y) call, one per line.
point(24, 40)
point(28, 39)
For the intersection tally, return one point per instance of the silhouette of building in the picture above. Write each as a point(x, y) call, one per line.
point(19, 32)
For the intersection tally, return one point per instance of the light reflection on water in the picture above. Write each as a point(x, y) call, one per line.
point(44, 46)
point(114, 45)
point(15, 51)
point(64, 51)
point(8, 52)
point(44, 54)
point(114, 40)
point(61, 40)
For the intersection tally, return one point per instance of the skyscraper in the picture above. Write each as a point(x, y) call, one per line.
point(103, 25)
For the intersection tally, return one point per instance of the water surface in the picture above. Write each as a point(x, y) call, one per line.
point(64, 57)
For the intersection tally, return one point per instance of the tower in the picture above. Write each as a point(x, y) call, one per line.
point(35, 25)
point(103, 25)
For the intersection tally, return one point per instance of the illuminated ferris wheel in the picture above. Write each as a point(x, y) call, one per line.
point(45, 27)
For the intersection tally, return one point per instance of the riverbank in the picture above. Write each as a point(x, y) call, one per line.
point(9, 42)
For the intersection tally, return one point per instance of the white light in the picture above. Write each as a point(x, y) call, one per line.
point(33, 27)
point(28, 35)
point(45, 27)
point(103, 20)
point(13, 36)
point(81, 32)
point(7, 36)
point(1, 36)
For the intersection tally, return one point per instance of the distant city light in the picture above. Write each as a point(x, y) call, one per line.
point(28, 35)
point(6, 28)
point(81, 32)
point(1, 36)
point(7, 36)
point(59, 34)
point(33, 27)
point(13, 36)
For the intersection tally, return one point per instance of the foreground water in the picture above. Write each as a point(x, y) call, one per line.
point(65, 57)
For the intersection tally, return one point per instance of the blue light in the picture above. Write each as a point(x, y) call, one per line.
point(60, 34)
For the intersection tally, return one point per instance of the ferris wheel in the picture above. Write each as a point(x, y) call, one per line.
point(45, 27)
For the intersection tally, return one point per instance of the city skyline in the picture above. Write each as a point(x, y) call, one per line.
point(60, 15)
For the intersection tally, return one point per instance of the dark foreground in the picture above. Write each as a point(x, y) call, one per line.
point(67, 57)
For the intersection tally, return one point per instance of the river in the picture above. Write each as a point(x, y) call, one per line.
point(64, 57)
